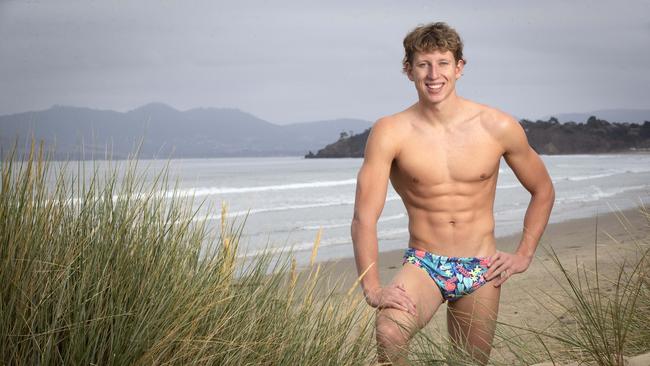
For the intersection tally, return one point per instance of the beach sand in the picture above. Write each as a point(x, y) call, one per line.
point(524, 297)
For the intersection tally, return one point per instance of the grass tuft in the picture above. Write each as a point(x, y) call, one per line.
point(101, 268)
point(106, 270)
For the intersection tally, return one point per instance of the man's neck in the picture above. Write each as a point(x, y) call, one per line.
point(442, 113)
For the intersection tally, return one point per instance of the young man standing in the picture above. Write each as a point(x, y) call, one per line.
point(442, 157)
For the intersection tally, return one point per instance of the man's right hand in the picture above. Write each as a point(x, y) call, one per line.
point(392, 296)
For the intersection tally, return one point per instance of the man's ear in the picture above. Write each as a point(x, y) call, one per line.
point(460, 65)
point(408, 70)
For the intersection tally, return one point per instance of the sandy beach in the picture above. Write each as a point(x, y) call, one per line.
point(524, 298)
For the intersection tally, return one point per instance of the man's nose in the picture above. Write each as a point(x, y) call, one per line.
point(433, 72)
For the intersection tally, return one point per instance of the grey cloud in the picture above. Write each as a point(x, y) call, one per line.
point(291, 61)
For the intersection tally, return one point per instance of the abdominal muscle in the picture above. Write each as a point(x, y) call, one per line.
point(450, 224)
point(447, 177)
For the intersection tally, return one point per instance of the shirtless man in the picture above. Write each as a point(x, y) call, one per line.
point(442, 157)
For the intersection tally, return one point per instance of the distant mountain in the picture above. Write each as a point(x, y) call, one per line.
point(619, 115)
point(546, 137)
point(165, 131)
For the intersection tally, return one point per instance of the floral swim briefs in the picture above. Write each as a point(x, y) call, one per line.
point(455, 276)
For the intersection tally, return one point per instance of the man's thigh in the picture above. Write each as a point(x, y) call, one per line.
point(422, 290)
point(472, 318)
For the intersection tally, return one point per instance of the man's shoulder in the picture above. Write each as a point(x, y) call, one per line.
point(504, 128)
point(387, 134)
point(496, 121)
point(395, 124)
point(501, 126)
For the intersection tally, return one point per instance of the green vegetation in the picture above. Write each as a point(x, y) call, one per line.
point(600, 316)
point(96, 274)
point(546, 137)
point(608, 309)
point(101, 271)
point(608, 316)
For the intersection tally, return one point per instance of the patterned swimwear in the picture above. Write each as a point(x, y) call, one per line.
point(455, 276)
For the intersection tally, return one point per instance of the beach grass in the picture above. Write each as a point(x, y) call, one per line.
point(598, 316)
point(101, 268)
point(604, 313)
point(98, 271)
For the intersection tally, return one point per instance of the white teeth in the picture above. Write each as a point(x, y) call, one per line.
point(434, 86)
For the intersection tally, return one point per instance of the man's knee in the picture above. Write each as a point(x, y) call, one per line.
point(393, 328)
point(390, 334)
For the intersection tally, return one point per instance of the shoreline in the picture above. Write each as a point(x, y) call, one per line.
point(572, 240)
point(123, 158)
point(531, 299)
point(566, 237)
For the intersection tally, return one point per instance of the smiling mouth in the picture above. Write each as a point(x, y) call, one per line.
point(434, 86)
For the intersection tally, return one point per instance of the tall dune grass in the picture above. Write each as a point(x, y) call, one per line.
point(108, 272)
point(608, 309)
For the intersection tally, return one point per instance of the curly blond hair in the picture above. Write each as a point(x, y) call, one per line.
point(432, 37)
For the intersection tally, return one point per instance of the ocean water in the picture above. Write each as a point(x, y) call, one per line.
point(286, 200)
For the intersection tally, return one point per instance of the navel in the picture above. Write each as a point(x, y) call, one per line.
point(415, 180)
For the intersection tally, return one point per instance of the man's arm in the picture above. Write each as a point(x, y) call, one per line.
point(372, 184)
point(531, 172)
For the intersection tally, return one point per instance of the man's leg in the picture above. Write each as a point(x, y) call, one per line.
point(394, 328)
point(471, 321)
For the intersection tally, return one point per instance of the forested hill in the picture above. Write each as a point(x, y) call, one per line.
point(546, 137)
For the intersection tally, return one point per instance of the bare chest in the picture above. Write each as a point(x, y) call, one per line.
point(453, 157)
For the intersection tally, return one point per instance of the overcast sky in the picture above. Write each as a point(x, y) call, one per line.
point(294, 61)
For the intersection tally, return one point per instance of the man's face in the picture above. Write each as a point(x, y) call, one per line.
point(434, 75)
